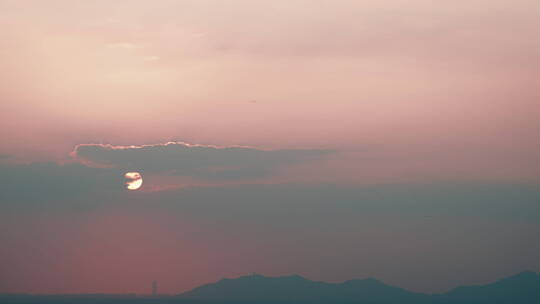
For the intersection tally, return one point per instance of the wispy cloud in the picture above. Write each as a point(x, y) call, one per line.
point(122, 45)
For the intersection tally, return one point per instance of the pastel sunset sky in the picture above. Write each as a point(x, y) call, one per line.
point(335, 139)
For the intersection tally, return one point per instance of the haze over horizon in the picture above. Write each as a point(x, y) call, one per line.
point(187, 141)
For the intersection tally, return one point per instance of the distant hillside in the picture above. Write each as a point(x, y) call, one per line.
point(523, 288)
point(296, 289)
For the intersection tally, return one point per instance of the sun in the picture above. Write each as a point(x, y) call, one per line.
point(133, 180)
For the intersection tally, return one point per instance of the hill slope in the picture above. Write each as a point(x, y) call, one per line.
point(296, 289)
point(521, 288)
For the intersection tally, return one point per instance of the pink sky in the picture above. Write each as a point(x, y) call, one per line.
point(402, 79)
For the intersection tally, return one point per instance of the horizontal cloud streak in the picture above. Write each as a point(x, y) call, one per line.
point(194, 160)
point(56, 185)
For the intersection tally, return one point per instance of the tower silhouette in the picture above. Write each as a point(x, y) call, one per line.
point(154, 288)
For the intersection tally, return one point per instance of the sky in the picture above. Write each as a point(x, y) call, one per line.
point(336, 140)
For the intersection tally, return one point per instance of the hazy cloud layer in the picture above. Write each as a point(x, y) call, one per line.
point(201, 161)
point(58, 185)
point(325, 232)
point(46, 182)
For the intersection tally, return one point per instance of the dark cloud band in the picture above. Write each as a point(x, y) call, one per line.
point(202, 161)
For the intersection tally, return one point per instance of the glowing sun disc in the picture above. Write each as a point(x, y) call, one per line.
point(133, 180)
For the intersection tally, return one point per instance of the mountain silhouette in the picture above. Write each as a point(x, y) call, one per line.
point(296, 289)
point(523, 288)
